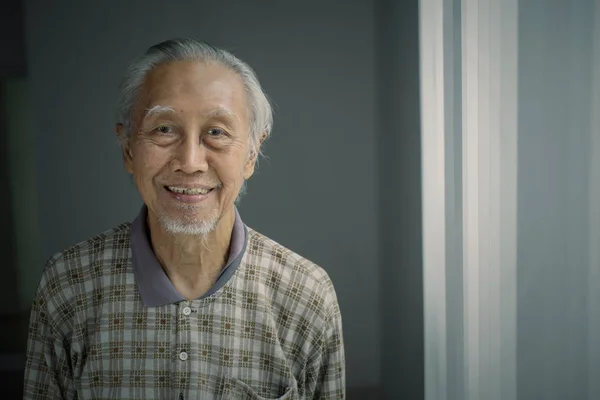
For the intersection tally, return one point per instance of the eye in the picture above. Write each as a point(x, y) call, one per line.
point(216, 132)
point(164, 130)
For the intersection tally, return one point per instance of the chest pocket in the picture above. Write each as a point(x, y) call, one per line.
point(237, 390)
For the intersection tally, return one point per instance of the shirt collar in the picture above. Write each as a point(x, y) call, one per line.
point(153, 283)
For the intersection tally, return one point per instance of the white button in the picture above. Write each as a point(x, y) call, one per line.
point(187, 311)
point(183, 356)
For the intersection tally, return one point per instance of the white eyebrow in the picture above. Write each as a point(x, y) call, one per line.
point(158, 109)
point(215, 113)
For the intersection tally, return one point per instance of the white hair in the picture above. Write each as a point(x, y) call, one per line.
point(261, 113)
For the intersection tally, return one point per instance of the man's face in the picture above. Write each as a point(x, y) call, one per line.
point(189, 147)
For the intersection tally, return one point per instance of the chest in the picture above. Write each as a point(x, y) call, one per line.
point(189, 350)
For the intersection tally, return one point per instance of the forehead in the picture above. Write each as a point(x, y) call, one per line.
point(198, 87)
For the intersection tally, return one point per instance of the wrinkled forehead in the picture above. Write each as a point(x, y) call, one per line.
point(208, 89)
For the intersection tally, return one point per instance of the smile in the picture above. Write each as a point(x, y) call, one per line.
point(190, 191)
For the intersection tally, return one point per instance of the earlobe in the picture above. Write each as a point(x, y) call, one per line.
point(252, 157)
point(249, 173)
point(127, 158)
point(125, 148)
point(249, 168)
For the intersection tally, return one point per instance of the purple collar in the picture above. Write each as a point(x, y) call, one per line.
point(153, 283)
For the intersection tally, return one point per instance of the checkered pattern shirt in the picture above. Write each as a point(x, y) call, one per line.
point(272, 331)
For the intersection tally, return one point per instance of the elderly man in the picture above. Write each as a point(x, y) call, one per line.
point(186, 302)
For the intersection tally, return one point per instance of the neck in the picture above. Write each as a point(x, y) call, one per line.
point(192, 263)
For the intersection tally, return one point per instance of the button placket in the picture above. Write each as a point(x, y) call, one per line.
point(184, 351)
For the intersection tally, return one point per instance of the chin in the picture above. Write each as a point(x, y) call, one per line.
point(178, 227)
point(189, 225)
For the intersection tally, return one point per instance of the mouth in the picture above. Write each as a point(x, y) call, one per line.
point(189, 191)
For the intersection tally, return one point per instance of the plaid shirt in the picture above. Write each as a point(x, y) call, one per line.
point(273, 330)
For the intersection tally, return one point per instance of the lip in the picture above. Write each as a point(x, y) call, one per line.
point(189, 198)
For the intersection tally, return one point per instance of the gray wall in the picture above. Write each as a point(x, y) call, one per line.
point(24, 229)
point(317, 192)
point(12, 66)
point(399, 177)
point(8, 285)
point(554, 180)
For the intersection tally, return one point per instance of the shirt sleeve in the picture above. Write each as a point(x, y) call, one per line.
point(326, 371)
point(47, 369)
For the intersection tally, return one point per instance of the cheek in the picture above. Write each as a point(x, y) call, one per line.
point(148, 163)
point(231, 173)
point(231, 165)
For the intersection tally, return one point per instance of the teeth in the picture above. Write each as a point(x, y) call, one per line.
point(188, 191)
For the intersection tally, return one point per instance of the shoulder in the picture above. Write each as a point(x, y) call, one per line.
point(102, 247)
point(67, 273)
point(292, 279)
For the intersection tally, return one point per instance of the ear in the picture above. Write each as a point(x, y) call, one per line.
point(251, 162)
point(127, 156)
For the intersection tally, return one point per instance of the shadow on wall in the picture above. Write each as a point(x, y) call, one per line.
point(14, 313)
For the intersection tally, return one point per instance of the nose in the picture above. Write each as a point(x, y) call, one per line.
point(191, 156)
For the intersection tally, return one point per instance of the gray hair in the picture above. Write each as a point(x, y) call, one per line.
point(261, 113)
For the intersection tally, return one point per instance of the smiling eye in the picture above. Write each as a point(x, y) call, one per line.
point(216, 132)
point(164, 129)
